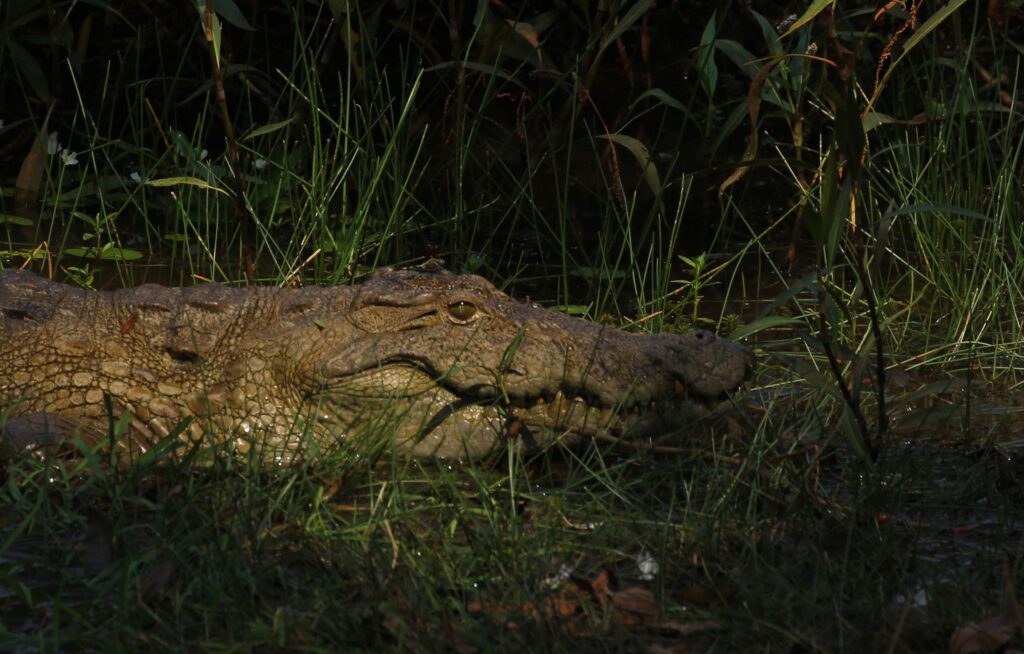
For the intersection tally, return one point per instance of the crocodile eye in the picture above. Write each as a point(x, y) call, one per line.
point(461, 310)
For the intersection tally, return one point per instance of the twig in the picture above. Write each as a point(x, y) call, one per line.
point(826, 343)
point(876, 330)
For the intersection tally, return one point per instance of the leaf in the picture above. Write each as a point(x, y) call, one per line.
point(107, 253)
point(738, 55)
point(187, 181)
point(706, 63)
point(635, 604)
point(232, 14)
point(808, 282)
point(642, 155)
point(817, 222)
point(543, 22)
point(935, 417)
point(926, 28)
point(731, 124)
point(873, 119)
point(816, 8)
point(338, 8)
point(933, 21)
point(988, 636)
point(761, 324)
point(269, 129)
point(526, 31)
point(754, 110)
point(771, 36)
point(953, 386)
point(662, 97)
point(480, 16)
point(14, 220)
point(626, 22)
point(30, 176)
point(30, 69)
point(837, 219)
point(849, 131)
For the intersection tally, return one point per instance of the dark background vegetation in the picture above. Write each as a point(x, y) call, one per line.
point(507, 129)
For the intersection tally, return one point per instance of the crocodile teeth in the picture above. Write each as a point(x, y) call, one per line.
point(558, 408)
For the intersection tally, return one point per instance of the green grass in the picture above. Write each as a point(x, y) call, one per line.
point(770, 543)
point(371, 145)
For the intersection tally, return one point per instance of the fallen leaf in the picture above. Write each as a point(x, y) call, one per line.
point(701, 596)
point(590, 606)
point(599, 586)
point(689, 628)
point(678, 648)
point(635, 604)
point(986, 636)
point(30, 176)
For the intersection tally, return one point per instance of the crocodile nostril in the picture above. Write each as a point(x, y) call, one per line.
point(16, 314)
point(183, 354)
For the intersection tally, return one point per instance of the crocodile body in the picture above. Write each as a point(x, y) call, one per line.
point(436, 363)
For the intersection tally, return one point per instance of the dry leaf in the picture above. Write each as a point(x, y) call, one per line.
point(574, 607)
point(986, 636)
point(30, 176)
point(635, 604)
point(702, 596)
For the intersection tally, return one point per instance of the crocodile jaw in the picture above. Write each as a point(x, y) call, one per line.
point(429, 420)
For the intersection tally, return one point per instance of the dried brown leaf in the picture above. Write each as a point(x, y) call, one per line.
point(702, 596)
point(30, 176)
point(527, 32)
point(677, 648)
point(986, 636)
point(599, 586)
point(688, 628)
point(753, 111)
point(635, 604)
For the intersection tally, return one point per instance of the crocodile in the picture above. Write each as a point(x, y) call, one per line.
point(434, 363)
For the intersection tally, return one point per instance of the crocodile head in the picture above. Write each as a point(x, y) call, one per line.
point(461, 367)
point(445, 364)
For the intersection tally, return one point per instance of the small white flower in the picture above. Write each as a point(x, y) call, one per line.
point(136, 177)
point(647, 565)
point(557, 579)
point(260, 164)
point(203, 153)
point(919, 600)
point(68, 157)
point(52, 147)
